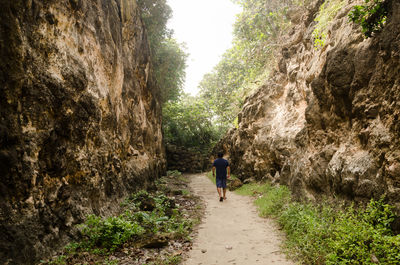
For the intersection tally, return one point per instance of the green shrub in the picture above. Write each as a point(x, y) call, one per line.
point(363, 235)
point(371, 15)
point(109, 233)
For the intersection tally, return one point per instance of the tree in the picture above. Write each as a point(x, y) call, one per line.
point(155, 15)
point(168, 56)
point(256, 34)
point(257, 31)
point(221, 89)
point(188, 122)
point(170, 65)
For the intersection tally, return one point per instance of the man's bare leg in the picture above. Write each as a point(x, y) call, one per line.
point(219, 192)
point(224, 193)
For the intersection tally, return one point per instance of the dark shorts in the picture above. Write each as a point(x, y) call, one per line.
point(221, 182)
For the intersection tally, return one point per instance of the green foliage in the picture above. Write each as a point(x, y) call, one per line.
point(188, 123)
point(257, 30)
point(168, 56)
point(110, 262)
point(256, 34)
point(308, 229)
point(371, 15)
point(173, 260)
point(324, 234)
point(155, 15)
point(169, 67)
point(109, 233)
point(101, 235)
point(145, 216)
point(358, 236)
point(199, 122)
point(327, 13)
point(220, 90)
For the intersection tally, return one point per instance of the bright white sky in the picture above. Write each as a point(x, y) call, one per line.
point(206, 28)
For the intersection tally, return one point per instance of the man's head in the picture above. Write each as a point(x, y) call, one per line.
point(220, 154)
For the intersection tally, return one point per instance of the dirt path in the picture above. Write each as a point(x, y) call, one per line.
point(232, 232)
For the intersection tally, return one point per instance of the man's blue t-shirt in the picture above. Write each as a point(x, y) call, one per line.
point(220, 164)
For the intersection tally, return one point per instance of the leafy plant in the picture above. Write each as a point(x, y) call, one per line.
point(145, 216)
point(371, 15)
point(361, 236)
point(109, 233)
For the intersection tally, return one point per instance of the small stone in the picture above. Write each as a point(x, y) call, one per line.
point(228, 247)
point(374, 259)
point(203, 250)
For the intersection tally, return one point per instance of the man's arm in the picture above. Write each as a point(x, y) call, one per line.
point(213, 171)
point(229, 172)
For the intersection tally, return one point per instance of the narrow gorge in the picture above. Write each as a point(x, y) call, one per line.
point(80, 118)
point(82, 124)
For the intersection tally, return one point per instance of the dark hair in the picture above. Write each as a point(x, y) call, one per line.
point(220, 154)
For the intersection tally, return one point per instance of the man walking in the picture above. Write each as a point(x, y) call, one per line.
point(221, 167)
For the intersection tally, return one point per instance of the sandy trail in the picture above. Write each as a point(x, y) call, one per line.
point(232, 232)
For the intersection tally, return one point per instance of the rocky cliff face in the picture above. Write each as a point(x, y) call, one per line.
point(328, 119)
point(79, 118)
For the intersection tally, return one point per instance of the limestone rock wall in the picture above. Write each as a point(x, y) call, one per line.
point(80, 120)
point(327, 122)
point(186, 160)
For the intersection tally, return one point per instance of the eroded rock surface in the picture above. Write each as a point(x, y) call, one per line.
point(327, 122)
point(79, 118)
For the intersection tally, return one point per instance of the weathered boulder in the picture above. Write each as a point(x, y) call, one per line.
point(233, 184)
point(327, 121)
point(79, 118)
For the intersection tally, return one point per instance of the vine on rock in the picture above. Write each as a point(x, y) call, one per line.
point(327, 12)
